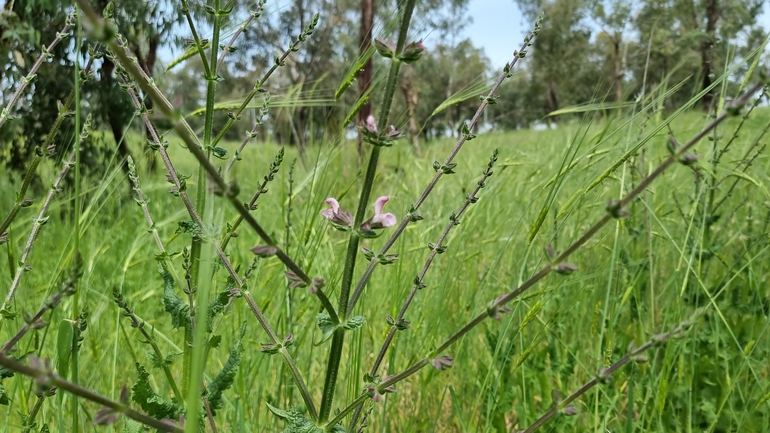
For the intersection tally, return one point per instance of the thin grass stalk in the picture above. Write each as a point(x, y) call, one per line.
point(466, 136)
point(30, 77)
point(41, 220)
point(604, 374)
point(220, 253)
point(46, 377)
point(76, 313)
point(399, 323)
point(338, 339)
point(558, 263)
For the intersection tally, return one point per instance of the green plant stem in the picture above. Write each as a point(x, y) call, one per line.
point(258, 86)
point(75, 367)
point(63, 33)
point(134, 178)
point(39, 154)
point(185, 133)
point(50, 303)
point(256, 13)
point(196, 39)
point(33, 413)
point(508, 297)
point(338, 339)
point(208, 127)
point(77, 390)
point(406, 220)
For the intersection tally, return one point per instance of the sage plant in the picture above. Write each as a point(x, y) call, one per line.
point(196, 398)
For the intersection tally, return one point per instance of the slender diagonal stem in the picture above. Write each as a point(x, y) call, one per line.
point(258, 87)
point(244, 25)
point(62, 34)
point(223, 257)
point(51, 379)
point(182, 128)
point(605, 373)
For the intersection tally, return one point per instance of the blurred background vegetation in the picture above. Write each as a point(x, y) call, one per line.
point(609, 51)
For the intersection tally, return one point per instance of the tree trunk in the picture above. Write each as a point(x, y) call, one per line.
point(410, 96)
point(706, 51)
point(365, 76)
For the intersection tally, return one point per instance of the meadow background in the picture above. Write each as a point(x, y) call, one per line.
point(601, 79)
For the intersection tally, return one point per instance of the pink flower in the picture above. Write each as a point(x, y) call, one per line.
point(371, 125)
point(379, 220)
point(338, 217)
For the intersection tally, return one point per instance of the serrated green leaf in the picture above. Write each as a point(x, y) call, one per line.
point(224, 380)
point(159, 363)
point(175, 306)
point(155, 405)
point(5, 400)
point(297, 423)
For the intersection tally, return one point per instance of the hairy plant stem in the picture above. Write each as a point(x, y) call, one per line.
point(279, 61)
point(62, 34)
point(50, 379)
point(460, 142)
point(437, 248)
point(604, 374)
point(261, 188)
point(40, 153)
point(208, 126)
point(37, 320)
point(75, 370)
point(338, 339)
point(196, 39)
point(554, 265)
point(244, 25)
point(135, 322)
point(36, 409)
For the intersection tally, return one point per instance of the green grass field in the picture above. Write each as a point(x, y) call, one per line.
point(638, 276)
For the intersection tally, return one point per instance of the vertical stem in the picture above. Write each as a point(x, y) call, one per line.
point(75, 305)
point(338, 340)
point(200, 195)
